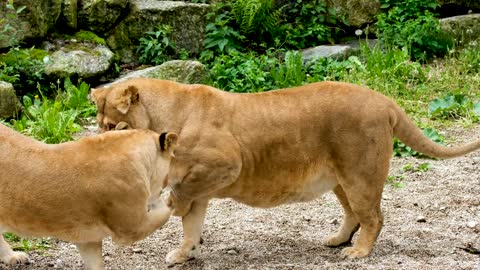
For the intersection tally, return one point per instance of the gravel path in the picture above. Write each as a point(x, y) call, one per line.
point(235, 236)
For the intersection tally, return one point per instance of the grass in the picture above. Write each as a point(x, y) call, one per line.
point(26, 245)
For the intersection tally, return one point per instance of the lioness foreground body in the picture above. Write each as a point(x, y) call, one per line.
point(272, 148)
point(82, 191)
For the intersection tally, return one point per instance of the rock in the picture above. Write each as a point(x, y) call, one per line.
point(84, 61)
point(357, 12)
point(35, 21)
point(464, 28)
point(9, 104)
point(339, 52)
point(333, 221)
point(137, 250)
point(68, 18)
point(177, 70)
point(100, 15)
point(472, 224)
point(186, 19)
point(232, 251)
point(467, 4)
point(421, 219)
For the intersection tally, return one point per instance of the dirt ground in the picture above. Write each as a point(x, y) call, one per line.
point(289, 237)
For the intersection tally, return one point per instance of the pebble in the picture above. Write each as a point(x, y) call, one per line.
point(472, 224)
point(232, 251)
point(333, 221)
point(137, 250)
point(306, 218)
point(421, 219)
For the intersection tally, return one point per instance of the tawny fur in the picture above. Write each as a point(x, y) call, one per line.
point(82, 191)
point(271, 148)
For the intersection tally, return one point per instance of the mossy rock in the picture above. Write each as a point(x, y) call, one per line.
point(187, 21)
point(87, 36)
point(100, 15)
point(464, 28)
point(9, 104)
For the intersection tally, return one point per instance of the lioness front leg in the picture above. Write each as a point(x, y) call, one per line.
point(192, 229)
point(91, 254)
point(8, 256)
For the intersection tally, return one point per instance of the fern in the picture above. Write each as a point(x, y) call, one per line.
point(254, 16)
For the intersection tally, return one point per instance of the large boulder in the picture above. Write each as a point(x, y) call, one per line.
point(100, 15)
point(68, 18)
point(464, 28)
point(357, 12)
point(35, 21)
point(469, 4)
point(187, 21)
point(9, 104)
point(183, 71)
point(82, 60)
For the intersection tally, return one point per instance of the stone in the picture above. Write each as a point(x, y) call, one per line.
point(83, 61)
point(421, 219)
point(358, 12)
point(33, 22)
point(464, 28)
point(68, 18)
point(187, 21)
point(472, 224)
point(100, 16)
point(183, 71)
point(339, 51)
point(9, 104)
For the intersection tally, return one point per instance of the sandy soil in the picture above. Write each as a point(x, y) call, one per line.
point(289, 237)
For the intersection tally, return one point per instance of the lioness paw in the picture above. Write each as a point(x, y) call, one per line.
point(15, 258)
point(354, 253)
point(179, 256)
point(335, 240)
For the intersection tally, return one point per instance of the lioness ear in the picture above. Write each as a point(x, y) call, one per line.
point(97, 95)
point(167, 141)
point(121, 126)
point(128, 97)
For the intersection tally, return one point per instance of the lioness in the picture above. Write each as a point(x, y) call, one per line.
point(272, 148)
point(83, 191)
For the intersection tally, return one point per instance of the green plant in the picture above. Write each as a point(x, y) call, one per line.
point(55, 121)
point(323, 69)
point(9, 31)
point(26, 245)
point(309, 23)
point(221, 36)
point(256, 17)
point(238, 72)
point(412, 24)
point(291, 72)
point(156, 47)
point(454, 106)
point(396, 181)
point(402, 150)
point(424, 167)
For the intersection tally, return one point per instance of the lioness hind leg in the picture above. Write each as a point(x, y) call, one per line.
point(350, 224)
point(192, 228)
point(91, 254)
point(10, 257)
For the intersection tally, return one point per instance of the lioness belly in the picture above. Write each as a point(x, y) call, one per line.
point(280, 189)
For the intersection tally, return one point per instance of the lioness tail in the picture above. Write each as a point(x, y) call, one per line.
point(408, 133)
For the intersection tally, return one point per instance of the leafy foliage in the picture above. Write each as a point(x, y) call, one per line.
point(55, 121)
point(402, 150)
point(291, 72)
point(26, 245)
point(257, 17)
point(453, 106)
point(310, 23)
point(412, 24)
point(156, 47)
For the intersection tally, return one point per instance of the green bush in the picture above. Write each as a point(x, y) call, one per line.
point(55, 121)
point(454, 106)
point(156, 47)
point(412, 24)
point(291, 72)
point(402, 150)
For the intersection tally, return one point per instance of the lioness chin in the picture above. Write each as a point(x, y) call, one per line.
point(83, 191)
point(271, 148)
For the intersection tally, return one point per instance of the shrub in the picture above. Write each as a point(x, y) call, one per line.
point(412, 24)
point(156, 47)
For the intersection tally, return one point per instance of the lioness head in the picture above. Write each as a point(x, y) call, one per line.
point(119, 103)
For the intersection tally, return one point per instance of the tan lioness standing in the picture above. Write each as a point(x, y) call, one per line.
point(83, 191)
point(272, 148)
